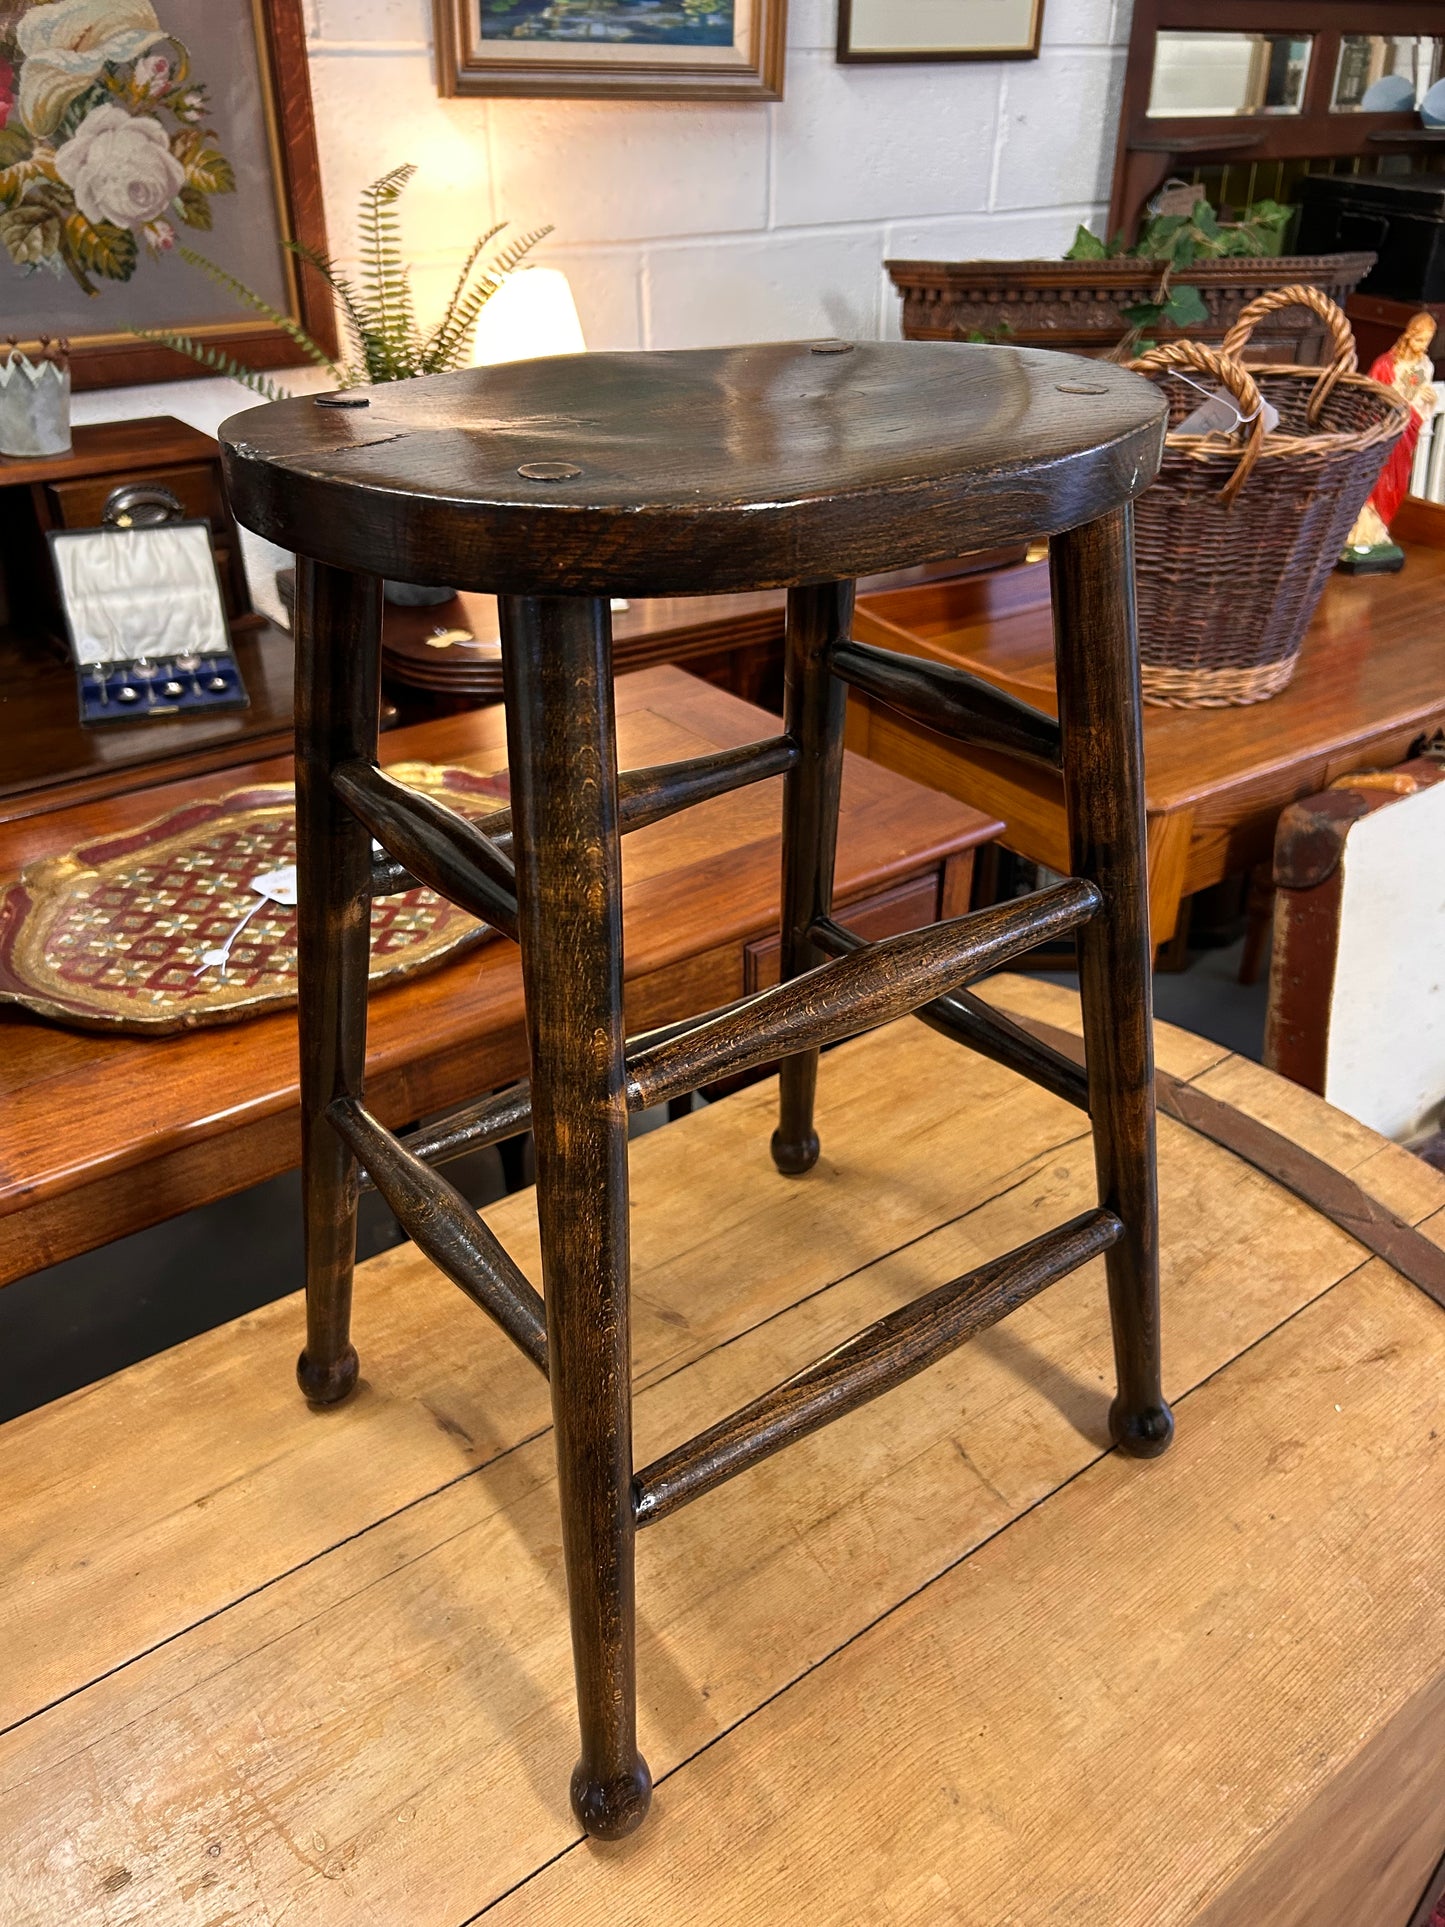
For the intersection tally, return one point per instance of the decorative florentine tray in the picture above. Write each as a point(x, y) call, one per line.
point(186, 921)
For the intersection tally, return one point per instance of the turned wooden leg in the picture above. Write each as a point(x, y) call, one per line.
point(563, 758)
point(814, 709)
point(338, 655)
point(1100, 710)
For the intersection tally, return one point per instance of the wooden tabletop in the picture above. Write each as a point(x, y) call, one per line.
point(736, 641)
point(950, 1661)
point(103, 1135)
point(51, 761)
point(1371, 678)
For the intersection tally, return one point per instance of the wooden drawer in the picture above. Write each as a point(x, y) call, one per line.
point(196, 486)
point(906, 906)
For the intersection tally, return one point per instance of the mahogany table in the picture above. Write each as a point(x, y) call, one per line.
point(1371, 680)
point(449, 656)
point(100, 1136)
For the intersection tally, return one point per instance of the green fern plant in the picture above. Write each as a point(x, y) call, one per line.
point(386, 341)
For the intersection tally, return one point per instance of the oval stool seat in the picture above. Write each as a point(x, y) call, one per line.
point(698, 470)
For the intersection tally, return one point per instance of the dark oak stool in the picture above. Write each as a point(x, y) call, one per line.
point(561, 483)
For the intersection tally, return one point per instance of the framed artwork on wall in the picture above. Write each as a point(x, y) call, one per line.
point(887, 30)
point(131, 130)
point(628, 49)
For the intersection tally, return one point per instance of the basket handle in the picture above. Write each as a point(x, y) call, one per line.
point(1240, 383)
point(1344, 360)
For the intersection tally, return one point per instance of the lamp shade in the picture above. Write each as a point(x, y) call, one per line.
point(530, 315)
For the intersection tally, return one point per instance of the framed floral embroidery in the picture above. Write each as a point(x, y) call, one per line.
point(130, 129)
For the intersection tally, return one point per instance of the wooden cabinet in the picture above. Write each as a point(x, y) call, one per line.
point(71, 492)
point(1264, 145)
point(49, 758)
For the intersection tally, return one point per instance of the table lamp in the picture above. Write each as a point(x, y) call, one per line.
point(531, 314)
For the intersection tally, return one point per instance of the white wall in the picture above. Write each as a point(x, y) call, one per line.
point(683, 225)
point(692, 225)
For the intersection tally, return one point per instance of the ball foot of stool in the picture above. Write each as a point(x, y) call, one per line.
point(794, 1159)
point(328, 1386)
point(1143, 1435)
point(612, 1809)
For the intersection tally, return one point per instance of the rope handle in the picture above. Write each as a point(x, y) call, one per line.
point(1345, 361)
point(1178, 355)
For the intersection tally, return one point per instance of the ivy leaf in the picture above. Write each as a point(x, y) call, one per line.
point(30, 232)
point(101, 248)
point(14, 146)
point(207, 168)
point(1143, 314)
point(194, 206)
point(1185, 308)
point(1206, 221)
point(1270, 214)
point(1087, 247)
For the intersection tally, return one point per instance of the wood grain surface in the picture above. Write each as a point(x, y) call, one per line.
point(1370, 681)
point(738, 468)
point(155, 1125)
point(950, 1660)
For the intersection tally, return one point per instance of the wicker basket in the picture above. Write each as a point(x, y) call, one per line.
point(1237, 537)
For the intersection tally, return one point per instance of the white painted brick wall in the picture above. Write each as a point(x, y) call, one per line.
point(685, 226)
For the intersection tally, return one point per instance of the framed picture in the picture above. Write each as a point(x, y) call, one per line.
point(131, 130)
point(877, 30)
point(630, 49)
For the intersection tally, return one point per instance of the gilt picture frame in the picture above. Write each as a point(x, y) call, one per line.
point(132, 130)
point(882, 31)
point(618, 49)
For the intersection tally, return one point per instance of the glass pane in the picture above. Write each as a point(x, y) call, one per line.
point(1385, 73)
point(1228, 73)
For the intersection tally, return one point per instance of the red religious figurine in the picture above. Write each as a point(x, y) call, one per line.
point(1407, 369)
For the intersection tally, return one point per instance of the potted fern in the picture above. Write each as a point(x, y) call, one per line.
point(384, 339)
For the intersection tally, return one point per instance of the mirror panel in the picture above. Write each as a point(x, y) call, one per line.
point(1218, 74)
point(1385, 73)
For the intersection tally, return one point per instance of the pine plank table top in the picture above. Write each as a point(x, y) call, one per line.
point(104, 1135)
point(949, 1661)
point(1371, 679)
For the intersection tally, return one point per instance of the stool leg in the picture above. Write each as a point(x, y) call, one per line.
point(814, 710)
point(338, 655)
point(1100, 710)
point(563, 756)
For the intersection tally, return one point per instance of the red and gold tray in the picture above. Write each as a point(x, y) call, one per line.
point(113, 936)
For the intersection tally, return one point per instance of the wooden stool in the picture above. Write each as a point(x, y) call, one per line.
point(561, 483)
